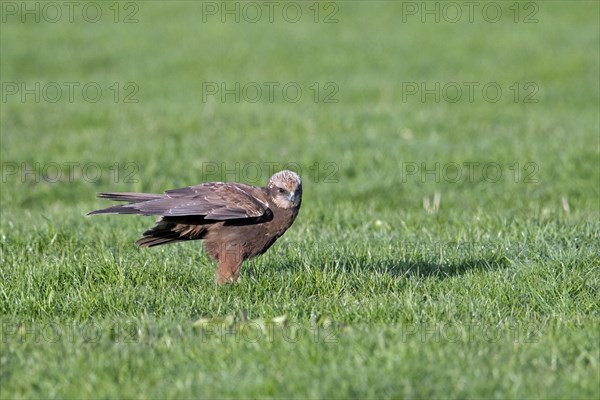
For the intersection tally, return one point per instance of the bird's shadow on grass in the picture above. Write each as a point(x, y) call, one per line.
point(408, 267)
point(423, 268)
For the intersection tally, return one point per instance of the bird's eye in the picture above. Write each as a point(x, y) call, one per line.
point(280, 190)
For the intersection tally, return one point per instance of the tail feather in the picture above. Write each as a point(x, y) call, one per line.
point(149, 241)
point(132, 198)
point(165, 232)
point(120, 209)
point(167, 229)
point(129, 196)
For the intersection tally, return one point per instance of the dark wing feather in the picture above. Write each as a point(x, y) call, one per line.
point(127, 196)
point(213, 201)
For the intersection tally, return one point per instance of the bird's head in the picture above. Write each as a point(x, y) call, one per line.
point(285, 189)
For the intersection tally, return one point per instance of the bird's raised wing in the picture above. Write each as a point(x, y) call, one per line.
point(213, 201)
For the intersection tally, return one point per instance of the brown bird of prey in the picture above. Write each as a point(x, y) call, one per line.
point(236, 221)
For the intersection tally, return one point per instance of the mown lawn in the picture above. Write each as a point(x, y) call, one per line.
point(448, 242)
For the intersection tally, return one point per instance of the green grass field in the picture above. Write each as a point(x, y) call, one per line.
point(375, 292)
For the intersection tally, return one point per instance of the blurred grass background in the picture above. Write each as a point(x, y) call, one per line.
point(363, 251)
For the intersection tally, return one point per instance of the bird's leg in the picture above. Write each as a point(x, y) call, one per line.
point(230, 262)
point(227, 273)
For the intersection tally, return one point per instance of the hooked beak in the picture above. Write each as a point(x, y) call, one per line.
point(293, 197)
